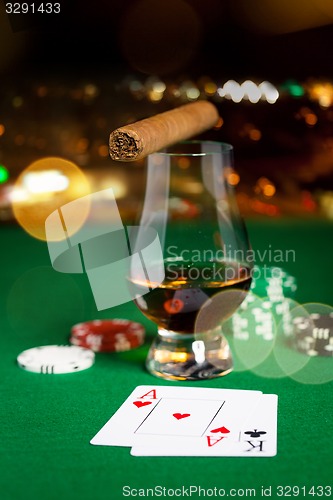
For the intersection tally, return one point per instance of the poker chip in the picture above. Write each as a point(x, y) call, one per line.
point(108, 335)
point(265, 311)
point(313, 335)
point(56, 359)
point(273, 282)
point(276, 286)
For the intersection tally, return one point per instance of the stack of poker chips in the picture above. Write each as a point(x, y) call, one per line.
point(270, 310)
point(108, 335)
point(313, 335)
point(56, 359)
point(274, 286)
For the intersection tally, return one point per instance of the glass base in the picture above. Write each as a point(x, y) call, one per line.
point(174, 356)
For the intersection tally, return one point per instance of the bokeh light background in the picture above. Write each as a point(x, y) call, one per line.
point(68, 79)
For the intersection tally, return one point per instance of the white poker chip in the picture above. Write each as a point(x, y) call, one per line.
point(56, 359)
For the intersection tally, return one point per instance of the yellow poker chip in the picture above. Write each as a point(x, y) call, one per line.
point(56, 359)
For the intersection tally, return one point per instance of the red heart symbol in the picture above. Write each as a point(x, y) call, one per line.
point(179, 416)
point(139, 404)
point(221, 429)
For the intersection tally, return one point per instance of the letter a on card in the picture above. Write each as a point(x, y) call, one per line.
point(212, 441)
point(153, 395)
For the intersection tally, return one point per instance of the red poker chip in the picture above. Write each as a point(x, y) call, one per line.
point(108, 335)
point(96, 345)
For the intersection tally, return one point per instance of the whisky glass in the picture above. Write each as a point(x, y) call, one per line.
point(190, 203)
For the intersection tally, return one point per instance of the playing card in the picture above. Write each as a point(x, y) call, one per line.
point(169, 411)
point(224, 424)
point(257, 437)
point(180, 417)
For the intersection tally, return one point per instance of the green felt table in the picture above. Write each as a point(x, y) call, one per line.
point(48, 420)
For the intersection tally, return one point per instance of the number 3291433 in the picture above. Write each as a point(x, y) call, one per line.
point(32, 8)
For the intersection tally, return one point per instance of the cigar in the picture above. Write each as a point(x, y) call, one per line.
point(147, 136)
